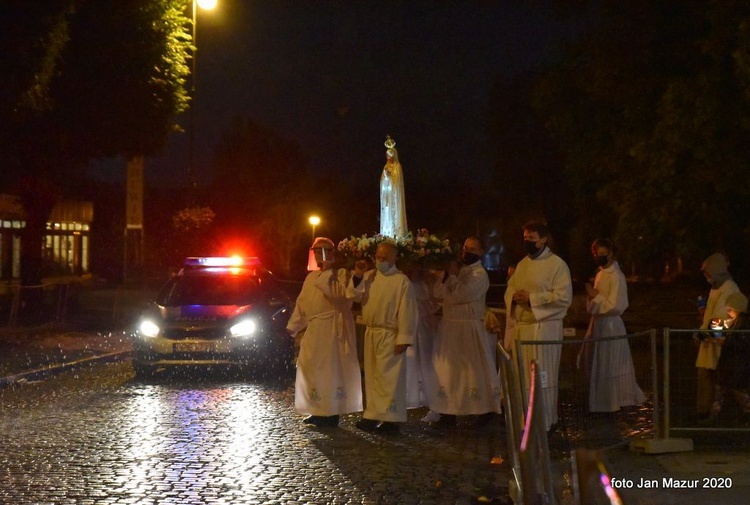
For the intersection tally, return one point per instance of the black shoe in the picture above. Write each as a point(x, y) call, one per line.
point(483, 419)
point(329, 421)
point(387, 428)
point(446, 421)
point(367, 424)
point(322, 421)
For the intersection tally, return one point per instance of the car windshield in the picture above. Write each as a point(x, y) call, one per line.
point(209, 290)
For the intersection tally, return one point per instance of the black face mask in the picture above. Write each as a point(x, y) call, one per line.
point(530, 247)
point(601, 260)
point(469, 258)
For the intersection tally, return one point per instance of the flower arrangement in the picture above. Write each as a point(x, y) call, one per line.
point(424, 249)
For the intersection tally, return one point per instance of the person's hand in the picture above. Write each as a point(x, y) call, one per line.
point(360, 267)
point(400, 349)
point(521, 297)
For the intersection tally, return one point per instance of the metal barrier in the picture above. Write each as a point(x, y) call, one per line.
point(591, 480)
point(595, 428)
point(513, 410)
point(536, 468)
point(46, 302)
point(76, 302)
point(730, 414)
point(528, 447)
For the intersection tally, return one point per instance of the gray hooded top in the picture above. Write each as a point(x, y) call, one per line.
point(715, 268)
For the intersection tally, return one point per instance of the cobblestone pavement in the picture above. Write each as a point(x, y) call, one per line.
point(96, 436)
point(92, 434)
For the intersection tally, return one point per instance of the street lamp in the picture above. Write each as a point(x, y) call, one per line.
point(314, 221)
point(205, 5)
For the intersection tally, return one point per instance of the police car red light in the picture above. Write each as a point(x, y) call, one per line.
point(220, 261)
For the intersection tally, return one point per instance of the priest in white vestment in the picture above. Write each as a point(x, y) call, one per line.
point(468, 382)
point(328, 381)
point(537, 298)
point(392, 195)
point(612, 379)
point(389, 310)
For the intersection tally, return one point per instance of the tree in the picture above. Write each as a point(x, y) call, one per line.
point(84, 79)
point(651, 113)
point(261, 188)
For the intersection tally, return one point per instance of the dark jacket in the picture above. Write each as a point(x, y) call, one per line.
point(734, 364)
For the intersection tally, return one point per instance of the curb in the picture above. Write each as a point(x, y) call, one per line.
point(41, 373)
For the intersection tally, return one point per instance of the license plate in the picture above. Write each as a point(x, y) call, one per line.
point(194, 347)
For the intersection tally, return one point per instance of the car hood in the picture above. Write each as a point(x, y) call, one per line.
point(206, 314)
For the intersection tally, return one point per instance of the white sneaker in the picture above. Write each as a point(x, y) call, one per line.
point(431, 417)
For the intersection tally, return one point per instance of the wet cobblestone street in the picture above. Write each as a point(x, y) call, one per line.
point(97, 436)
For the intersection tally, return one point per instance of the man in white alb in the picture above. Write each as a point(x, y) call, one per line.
point(389, 310)
point(328, 379)
point(467, 377)
point(537, 298)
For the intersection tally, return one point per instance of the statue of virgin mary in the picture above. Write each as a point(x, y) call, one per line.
point(392, 200)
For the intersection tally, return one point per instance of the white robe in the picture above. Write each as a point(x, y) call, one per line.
point(420, 373)
point(547, 279)
point(613, 384)
point(389, 310)
point(467, 378)
point(328, 378)
point(392, 199)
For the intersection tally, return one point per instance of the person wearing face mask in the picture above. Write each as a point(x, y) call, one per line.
point(537, 299)
point(467, 380)
point(733, 369)
point(715, 270)
point(328, 381)
point(389, 310)
point(612, 375)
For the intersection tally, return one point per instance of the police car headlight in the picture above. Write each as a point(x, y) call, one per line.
point(148, 328)
point(244, 328)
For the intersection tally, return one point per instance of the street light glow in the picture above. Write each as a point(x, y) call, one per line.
point(207, 4)
point(314, 221)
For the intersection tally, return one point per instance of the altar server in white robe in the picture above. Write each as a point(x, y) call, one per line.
point(537, 298)
point(613, 383)
point(328, 381)
point(420, 372)
point(467, 377)
point(389, 310)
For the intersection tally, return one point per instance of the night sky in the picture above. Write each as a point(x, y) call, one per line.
point(337, 76)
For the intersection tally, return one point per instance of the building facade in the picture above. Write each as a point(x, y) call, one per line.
point(66, 243)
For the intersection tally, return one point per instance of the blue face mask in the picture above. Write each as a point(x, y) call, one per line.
point(383, 266)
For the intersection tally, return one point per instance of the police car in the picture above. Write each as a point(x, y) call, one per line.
point(217, 311)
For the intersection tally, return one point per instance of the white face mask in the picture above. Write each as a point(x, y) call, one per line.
point(383, 266)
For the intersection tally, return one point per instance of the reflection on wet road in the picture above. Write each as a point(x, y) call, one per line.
point(98, 436)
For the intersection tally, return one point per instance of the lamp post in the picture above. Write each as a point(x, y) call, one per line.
point(205, 5)
point(314, 221)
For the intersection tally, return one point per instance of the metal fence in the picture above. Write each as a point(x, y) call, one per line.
point(584, 478)
point(581, 422)
point(730, 412)
point(75, 302)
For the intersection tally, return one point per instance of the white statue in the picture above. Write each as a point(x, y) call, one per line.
point(392, 199)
